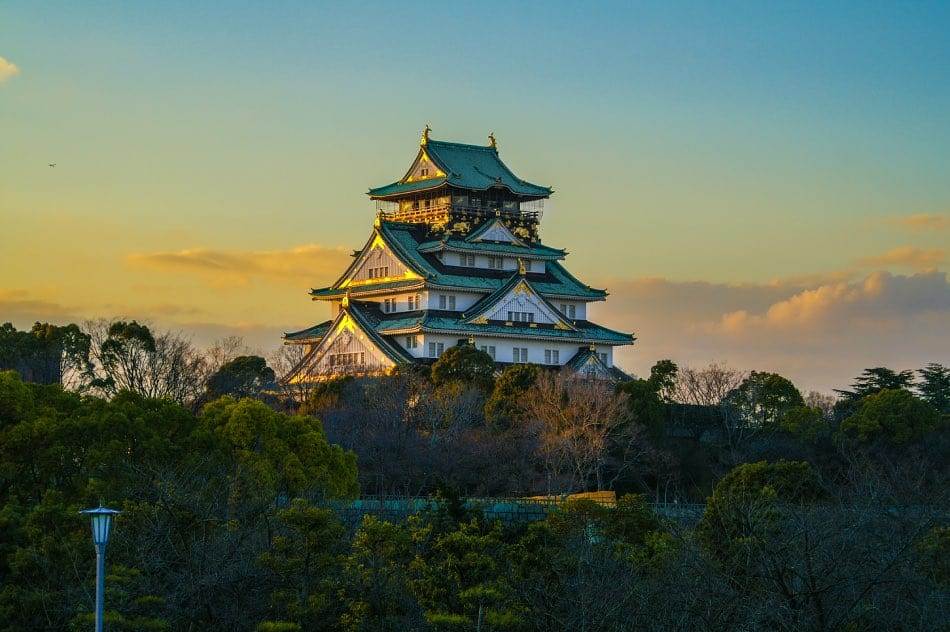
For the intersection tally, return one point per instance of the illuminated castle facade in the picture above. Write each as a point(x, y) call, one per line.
point(455, 257)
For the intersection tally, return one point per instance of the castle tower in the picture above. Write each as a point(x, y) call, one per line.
point(455, 257)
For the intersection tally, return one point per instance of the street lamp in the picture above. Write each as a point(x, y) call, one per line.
point(101, 525)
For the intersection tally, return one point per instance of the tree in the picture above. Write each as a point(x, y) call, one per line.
point(244, 376)
point(663, 376)
point(464, 364)
point(577, 421)
point(763, 397)
point(458, 579)
point(934, 386)
point(875, 380)
point(745, 505)
point(891, 416)
point(274, 453)
point(707, 386)
point(375, 574)
point(47, 354)
point(505, 404)
point(805, 424)
point(128, 356)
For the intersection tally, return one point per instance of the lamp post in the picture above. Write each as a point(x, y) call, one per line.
point(101, 525)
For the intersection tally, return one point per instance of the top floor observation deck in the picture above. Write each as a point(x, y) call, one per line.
point(433, 209)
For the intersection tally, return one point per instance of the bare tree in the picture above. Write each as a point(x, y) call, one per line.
point(128, 356)
point(707, 386)
point(822, 401)
point(576, 419)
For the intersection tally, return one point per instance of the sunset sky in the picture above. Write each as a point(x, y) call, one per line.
point(767, 186)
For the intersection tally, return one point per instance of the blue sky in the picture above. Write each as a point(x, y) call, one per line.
point(731, 144)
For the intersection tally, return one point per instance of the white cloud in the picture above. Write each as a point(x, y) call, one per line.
point(8, 70)
point(820, 335)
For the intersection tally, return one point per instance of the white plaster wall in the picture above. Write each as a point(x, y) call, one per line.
point(481, 261)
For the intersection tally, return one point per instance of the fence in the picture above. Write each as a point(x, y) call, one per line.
point(507, 510)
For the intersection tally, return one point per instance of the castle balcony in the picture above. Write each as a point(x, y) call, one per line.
point(531, 211)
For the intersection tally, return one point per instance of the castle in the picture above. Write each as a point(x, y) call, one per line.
point(455, 257)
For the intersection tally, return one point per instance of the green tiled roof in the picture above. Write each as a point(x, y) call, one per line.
point(471, 167)
point(317, 331)
point(366, 289)
point(532, 252)
point(584, 356)
point(403, 239)
point(486, 303)
point(452, 322)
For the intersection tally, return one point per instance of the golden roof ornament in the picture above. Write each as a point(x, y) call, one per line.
point(521, 268)
point(346, 299)
point(425, 136)
point(491, 140)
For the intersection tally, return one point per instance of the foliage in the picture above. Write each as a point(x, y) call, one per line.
point(276, 452)
point(47, 354)
point(892, 416)
point(244, 376)
point(805, 424)
point(464, 364)
point(745, 505)
point(762, 398)
point(504, 406)
point(934, 386)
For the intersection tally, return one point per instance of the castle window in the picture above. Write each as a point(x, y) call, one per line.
point(519, 355)
point(552, 356)
point(527, 265)
point(489, 349)
point(567, 310)
point(389, 305)
point(467, 260)
point(442, 301)
point(603, 358)
point(436, 349)
point(412, 342)
point(425, 172)
point(452, 302)
point(496, 263)
point(413, 302)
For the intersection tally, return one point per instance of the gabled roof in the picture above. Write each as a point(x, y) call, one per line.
point(488, 303)
point(586, 359)
point(473, 167)
point(496, 226)
point(404, 241)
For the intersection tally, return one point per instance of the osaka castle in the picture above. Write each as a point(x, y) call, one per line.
point(455, 257)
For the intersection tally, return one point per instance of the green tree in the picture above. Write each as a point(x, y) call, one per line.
point(244, 376)
point(464, 364)
point(934, 386)
point(276, 453)
point(302, 558)
point(805, 424)
point(892, 416)
point(745, 506)
point(663, 376)
point(505, 405)
point(375, 576)
point(762, 398)
point(875, 380)
point(457, 577)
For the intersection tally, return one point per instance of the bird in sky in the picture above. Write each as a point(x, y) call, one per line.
point(52, 164)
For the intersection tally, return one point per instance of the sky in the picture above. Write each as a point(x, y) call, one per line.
point(761, 184)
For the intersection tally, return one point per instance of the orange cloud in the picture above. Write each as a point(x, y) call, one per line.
point(908, 257)
point(309, 263)
point(924, 221)
point(8, 70)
